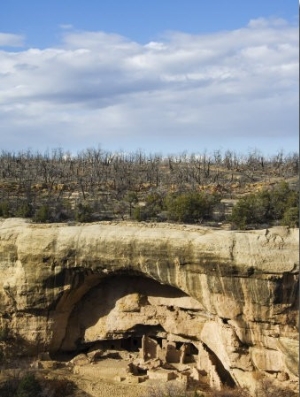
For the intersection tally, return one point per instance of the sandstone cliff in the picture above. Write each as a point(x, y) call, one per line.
point(232, 295)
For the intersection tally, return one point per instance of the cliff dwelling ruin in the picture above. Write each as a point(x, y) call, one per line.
point(206, 307)
point(152, 326)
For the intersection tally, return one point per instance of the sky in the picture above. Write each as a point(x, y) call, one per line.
point(161, 76)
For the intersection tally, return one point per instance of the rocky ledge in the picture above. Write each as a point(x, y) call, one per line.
point(225, 300)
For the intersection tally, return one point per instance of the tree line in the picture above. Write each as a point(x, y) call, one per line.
point(97, 185)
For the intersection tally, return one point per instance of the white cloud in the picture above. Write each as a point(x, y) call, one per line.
point(66, 26)
point(11, 40)
point(232, 89)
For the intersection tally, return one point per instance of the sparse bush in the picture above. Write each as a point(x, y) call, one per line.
point(268, 388)
point(29, 386)
point(140, 214)
point(5, 209)
point(131, 198)
point(83, 213)
point(43, 214)
point(152, 207)
point(9, 388)
point(167, 390)
point(57, 388)
point(228, 392)
point(24, 210)
point(47, 187)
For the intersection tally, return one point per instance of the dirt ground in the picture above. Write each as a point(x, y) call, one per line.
point(99, 380)
point(107, 378)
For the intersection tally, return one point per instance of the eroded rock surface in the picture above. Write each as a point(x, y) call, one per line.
point(230, 298)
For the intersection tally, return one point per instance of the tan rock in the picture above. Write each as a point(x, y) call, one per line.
point(80, 360)
point(267, 360)
point(63, 286)
point(95, 355)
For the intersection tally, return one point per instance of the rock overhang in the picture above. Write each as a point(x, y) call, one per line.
point(245, 282)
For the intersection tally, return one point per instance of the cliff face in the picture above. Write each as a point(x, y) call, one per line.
point(232, 295)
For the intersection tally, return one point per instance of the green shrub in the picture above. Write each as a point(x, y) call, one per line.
point(139, 214)
point(280, 204)
point(190, 207)
point(24, 210)
point(29, 386)
point(4, 209)
point(43, 214)
point(83, 213)
point(291, 217)
point(131, 198)
point(150, 210)
point(248, 210)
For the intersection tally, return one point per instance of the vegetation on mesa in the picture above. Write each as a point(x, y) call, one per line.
point(198, 188)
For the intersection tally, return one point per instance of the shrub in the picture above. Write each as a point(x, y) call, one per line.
point(57, 387)
point(190, 207)
point(83, 213)
point(131, 198)
point(43, 214)
point(248, 210)
point(140, 214)
point(24, 210)
point(280, 204)
point(4, 209)
point(167, 390)
point(9, 388)
point(29, 386)
point(267, 388)
point(291, 217)
point(228, 392)
point(150, 210)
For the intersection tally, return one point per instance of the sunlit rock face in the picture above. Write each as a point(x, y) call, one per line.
point(233, 296)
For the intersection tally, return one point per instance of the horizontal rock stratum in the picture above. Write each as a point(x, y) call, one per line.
point(232, 294)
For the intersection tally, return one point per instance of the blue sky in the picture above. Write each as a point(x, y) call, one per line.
point(162, 76)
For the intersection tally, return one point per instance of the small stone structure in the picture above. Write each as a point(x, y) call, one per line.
point(157, 359)
point(161, 374)
point(202, 366)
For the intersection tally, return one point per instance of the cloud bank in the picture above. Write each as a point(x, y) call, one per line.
point(233, 89)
